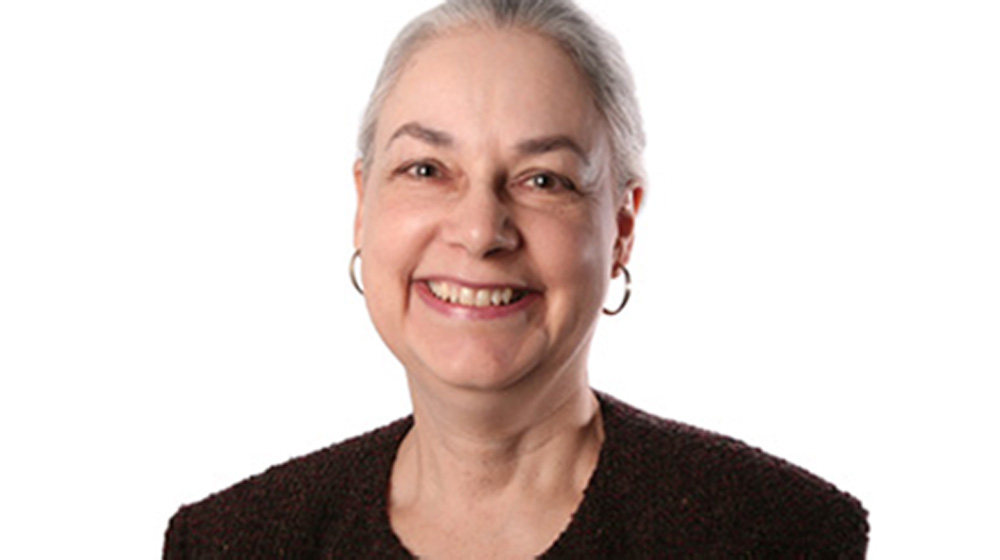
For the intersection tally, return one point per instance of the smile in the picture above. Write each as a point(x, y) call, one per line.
point(475, 297)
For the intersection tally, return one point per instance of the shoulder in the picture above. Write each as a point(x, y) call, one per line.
point(695, 486)
point(290, 508)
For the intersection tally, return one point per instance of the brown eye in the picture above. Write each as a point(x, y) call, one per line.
point(424, 171)
point(549, 182)
point(542, 181)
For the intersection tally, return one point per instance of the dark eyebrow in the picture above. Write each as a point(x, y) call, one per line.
point(547, 144)
point(424, 134)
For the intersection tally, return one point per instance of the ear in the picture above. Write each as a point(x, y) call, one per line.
point(628, 208)
point(359, 189)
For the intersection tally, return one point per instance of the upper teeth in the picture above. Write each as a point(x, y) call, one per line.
point(470, 297)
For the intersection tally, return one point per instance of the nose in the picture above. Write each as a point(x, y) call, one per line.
point(481, 223)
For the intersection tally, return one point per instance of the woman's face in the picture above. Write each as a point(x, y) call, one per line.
point(489, 221)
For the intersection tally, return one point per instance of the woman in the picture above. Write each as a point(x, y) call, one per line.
point(498, 187)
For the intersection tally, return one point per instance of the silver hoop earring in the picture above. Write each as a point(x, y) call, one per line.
point(628, 292)
point(354, 280)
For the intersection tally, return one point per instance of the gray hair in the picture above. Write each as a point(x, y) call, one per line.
point(594, 50)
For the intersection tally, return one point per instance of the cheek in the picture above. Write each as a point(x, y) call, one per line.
point(391, 239)
point(576, 254)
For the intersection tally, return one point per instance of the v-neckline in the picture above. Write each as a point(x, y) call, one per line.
point(576, 524)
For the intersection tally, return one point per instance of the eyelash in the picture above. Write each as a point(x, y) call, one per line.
point(558, 180)
point(411, 169)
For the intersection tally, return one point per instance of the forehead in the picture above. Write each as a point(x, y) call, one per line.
point(492, 86)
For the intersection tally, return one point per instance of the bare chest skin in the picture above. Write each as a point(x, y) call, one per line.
point(524, 529)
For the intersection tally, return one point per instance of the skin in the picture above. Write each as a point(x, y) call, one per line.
point(491, 168)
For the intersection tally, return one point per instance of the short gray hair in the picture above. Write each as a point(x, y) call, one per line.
point(596, 53)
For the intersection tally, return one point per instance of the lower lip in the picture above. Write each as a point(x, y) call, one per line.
point(478, 313)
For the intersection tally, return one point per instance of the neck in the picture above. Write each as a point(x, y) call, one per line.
point(482, 447)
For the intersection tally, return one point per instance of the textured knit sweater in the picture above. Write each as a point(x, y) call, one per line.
point(660, 490)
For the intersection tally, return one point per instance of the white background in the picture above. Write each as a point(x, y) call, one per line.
point(816, 269)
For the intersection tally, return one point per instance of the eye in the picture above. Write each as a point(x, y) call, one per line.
point(423, 170)
point(548, 182)
point(542, 181)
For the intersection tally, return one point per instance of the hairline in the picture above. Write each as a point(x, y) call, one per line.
point(606, 75)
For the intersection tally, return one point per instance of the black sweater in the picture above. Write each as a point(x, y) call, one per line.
point(660, 490)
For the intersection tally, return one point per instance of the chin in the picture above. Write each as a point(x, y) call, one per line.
point(476, 369)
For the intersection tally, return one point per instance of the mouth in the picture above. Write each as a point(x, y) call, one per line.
point(457, 294)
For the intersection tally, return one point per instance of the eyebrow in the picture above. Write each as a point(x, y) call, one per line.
point(424, 134)
point(532, 146)
point(545, 144)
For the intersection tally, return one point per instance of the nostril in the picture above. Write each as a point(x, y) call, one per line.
point(493, 252)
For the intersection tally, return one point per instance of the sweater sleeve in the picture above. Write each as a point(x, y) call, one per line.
point(175, 545)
